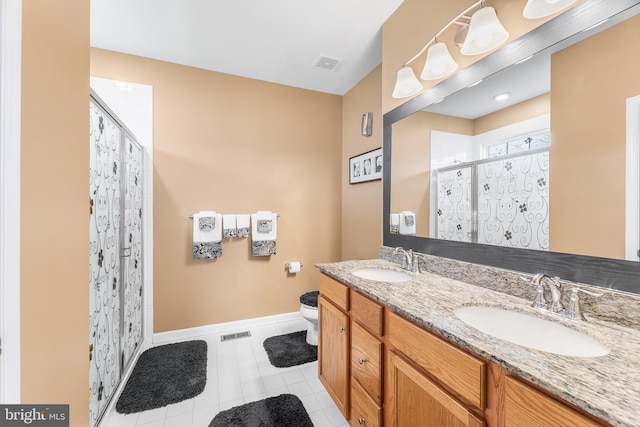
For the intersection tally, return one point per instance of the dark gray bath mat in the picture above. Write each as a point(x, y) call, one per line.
point(163, 375)
point(290, 350)
point(280, 411)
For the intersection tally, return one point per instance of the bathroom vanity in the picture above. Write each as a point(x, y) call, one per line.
point(396, 354)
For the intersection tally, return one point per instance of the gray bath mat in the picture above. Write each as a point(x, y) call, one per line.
point(163, 375)
point(290, 350)
point(280, 411)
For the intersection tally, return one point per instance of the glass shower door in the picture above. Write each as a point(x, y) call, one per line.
point(105, 140)
point(132, 251)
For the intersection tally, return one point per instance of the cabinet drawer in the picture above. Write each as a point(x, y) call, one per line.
point(364, 411)
point(334, 291)
point(367, 312)
point(526, 406)
point(366, 361)
point(463, 374)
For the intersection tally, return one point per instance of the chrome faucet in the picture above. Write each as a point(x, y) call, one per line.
point(410, 260)
point(554, 305)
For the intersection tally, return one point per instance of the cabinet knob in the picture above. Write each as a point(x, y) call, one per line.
point(360, 420)
point(341, 329)
point(361, 360)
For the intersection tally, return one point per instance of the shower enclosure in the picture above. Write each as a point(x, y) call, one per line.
point(498, 201)
point(115, 253)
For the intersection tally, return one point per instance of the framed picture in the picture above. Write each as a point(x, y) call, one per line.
point(366, 166)
point(366, 125)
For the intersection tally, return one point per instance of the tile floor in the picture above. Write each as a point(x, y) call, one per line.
point(239, 372)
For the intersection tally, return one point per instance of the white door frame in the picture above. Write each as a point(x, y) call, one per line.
point(10, 88)
point(632, 196)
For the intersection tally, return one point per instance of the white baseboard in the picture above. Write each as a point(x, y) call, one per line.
point(199, 331)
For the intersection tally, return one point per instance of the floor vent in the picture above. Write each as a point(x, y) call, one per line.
point(235, 336)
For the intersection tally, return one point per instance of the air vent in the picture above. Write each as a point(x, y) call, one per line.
point(327, 63)
point(235, 336)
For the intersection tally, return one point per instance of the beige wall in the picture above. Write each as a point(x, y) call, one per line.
point(54, 285)
point(589, 92)
point(361, 203)
point(416, 21)
point(236, 145)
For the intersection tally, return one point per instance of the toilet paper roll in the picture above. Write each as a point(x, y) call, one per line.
point(294, 267)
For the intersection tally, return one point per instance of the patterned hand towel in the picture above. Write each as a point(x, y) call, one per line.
point(242, 225)
point(408, 223)
point(229, 225)
point(207, 235)
point(263, 233)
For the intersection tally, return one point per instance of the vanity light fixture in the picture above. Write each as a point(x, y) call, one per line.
point(535, 9)
point(484, 32)
point(479, 33)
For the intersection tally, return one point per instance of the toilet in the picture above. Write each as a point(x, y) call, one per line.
point(309, 310)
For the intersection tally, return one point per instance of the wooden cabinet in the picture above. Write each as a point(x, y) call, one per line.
point(525, 406)
point(463, 374)
point(334, 342)
point(415, 400)
point(371, 358)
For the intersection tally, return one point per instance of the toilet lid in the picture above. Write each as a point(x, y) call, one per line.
point(310, 298)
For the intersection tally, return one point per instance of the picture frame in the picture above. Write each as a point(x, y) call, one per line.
point(366, 166)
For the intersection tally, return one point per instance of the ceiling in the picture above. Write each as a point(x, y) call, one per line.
point(276, 41)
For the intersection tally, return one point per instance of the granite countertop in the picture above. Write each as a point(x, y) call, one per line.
point(607, 386)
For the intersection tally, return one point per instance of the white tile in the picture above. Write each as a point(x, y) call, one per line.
point(114, 419)
point(185, 419)
point(152, 415)
point(293, 377)
point(231, 403)
point(252, 387)
point(202, 417)
point(229, 394)
point(179, 408)
point(300, 389)
point(316, 385)
point(206, 399)
point(334, 415)
point(325, 400)
point(310, 403)
point(239, 372)
point(273, 381)
point(157, 423)
point(320, 419)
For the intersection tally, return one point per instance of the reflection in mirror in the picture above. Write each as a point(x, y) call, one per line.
point(543, 169)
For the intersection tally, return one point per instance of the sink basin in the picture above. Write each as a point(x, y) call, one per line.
point(533, 332)
point(382, 275)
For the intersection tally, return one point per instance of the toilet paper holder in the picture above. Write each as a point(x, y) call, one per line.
point(287, 265)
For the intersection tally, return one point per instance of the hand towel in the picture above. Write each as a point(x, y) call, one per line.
point(242, 225)
point(207, 243)
point(394, 223)
point(229, 225)
point(263, 241)
point(206, 220)
point(407, 223)
point(264, 221)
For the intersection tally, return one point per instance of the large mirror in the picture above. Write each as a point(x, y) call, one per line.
point(543, 180)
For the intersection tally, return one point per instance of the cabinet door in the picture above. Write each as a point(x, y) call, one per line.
point(414, 400)
point(333, 353)
point(526, 406)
